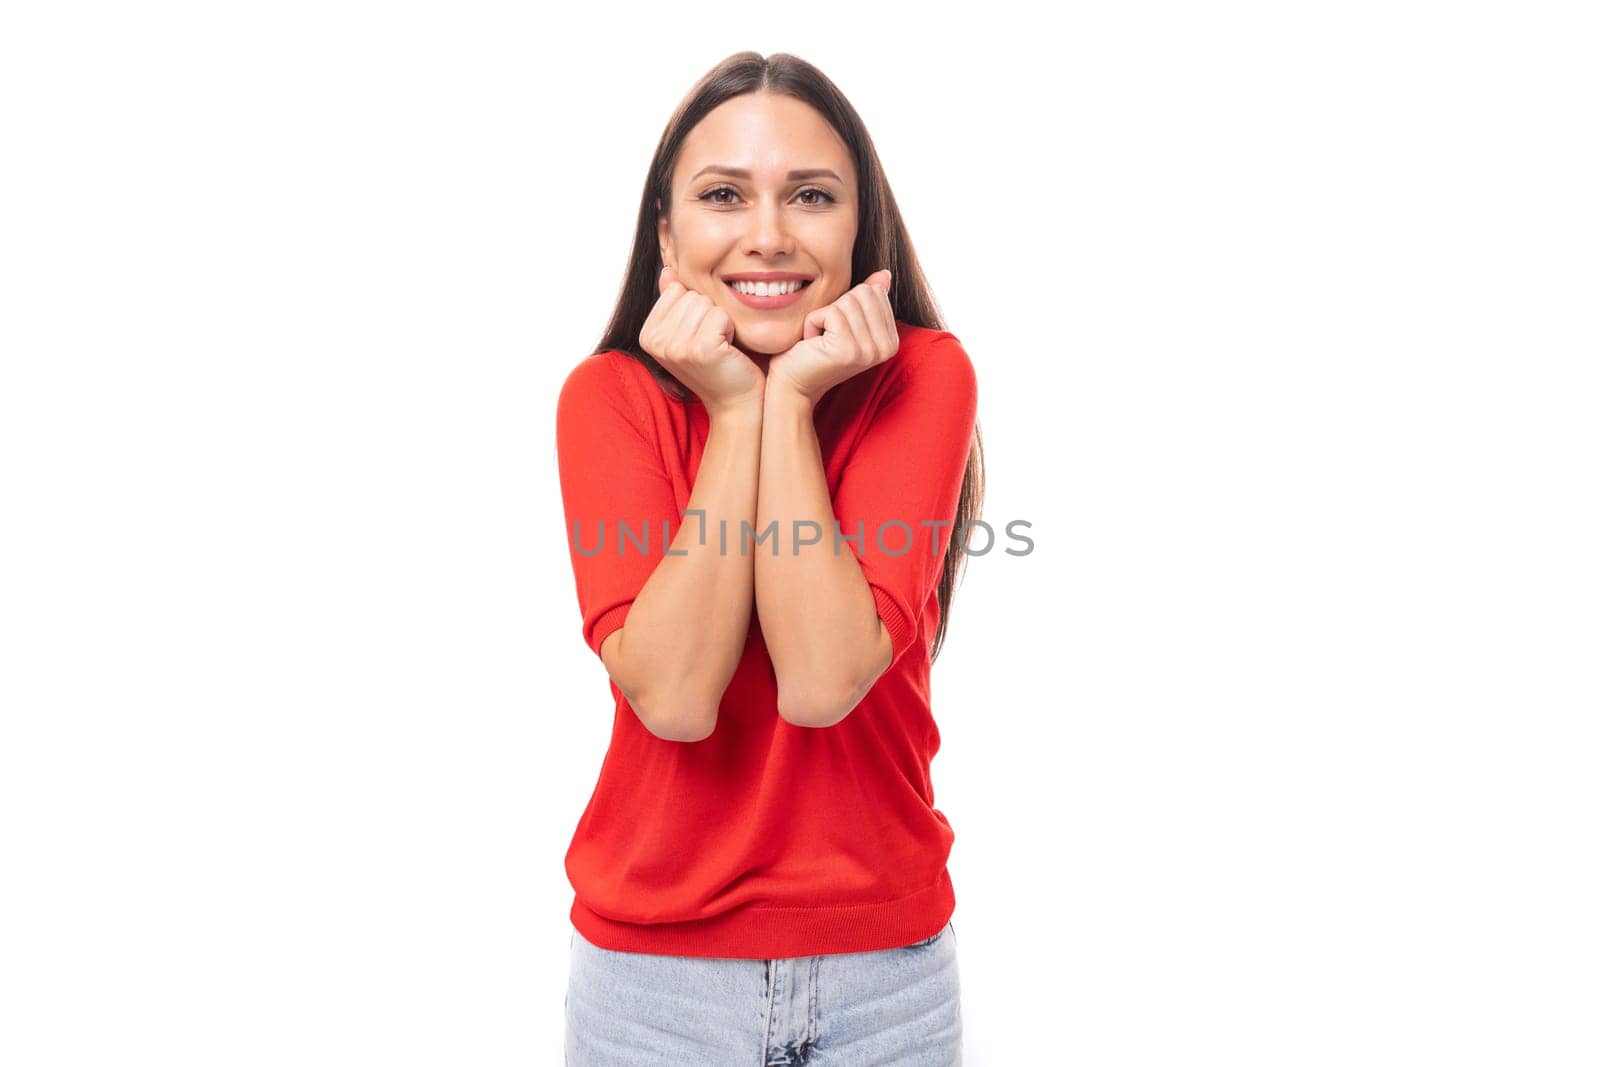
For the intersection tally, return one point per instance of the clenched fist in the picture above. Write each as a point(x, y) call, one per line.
point(854, 333)
point(693, 339)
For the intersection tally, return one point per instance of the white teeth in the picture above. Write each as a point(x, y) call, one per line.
point(766, 288)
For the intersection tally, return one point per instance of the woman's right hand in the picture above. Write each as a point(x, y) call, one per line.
point(693, 339)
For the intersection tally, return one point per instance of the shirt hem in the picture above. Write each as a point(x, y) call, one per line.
point(780, 932)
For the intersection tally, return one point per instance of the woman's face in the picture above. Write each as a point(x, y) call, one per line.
point(791, 209)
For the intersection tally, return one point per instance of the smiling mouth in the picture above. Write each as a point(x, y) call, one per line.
point(768, 297)
point(767, 289)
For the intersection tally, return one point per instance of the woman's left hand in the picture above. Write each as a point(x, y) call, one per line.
point(839, 341)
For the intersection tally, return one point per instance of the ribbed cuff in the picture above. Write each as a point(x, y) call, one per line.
point(607, 624)
point(902, 630)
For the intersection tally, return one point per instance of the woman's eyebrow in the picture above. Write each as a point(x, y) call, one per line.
point(794, 175)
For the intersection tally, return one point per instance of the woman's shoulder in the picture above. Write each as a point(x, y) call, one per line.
point(926, 351)
point(606, 380)
point(605, 368)
point(612, 370)
point(919, 340)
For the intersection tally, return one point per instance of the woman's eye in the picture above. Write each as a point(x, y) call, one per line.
point(712, 196)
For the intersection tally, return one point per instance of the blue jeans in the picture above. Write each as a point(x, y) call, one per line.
point(897, 1006)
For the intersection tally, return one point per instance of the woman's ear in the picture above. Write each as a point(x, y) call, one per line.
point(664, 236)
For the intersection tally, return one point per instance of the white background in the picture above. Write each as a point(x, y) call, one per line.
point(1278, 749)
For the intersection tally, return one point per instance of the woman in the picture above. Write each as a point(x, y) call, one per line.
point(760, 869)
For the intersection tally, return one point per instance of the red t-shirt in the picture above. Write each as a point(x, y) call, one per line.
point(766, 839)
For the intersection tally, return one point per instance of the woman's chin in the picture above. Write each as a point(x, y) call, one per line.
point(764, 342)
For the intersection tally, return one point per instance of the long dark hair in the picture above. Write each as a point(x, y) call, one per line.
point(881, 241)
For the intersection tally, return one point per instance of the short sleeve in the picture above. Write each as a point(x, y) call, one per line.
point(903, 482)
point(615, 492)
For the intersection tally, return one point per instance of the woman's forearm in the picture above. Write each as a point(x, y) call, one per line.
point(686, 630)
point(817, 612)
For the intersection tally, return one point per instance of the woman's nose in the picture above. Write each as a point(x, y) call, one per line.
point(769, 233)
